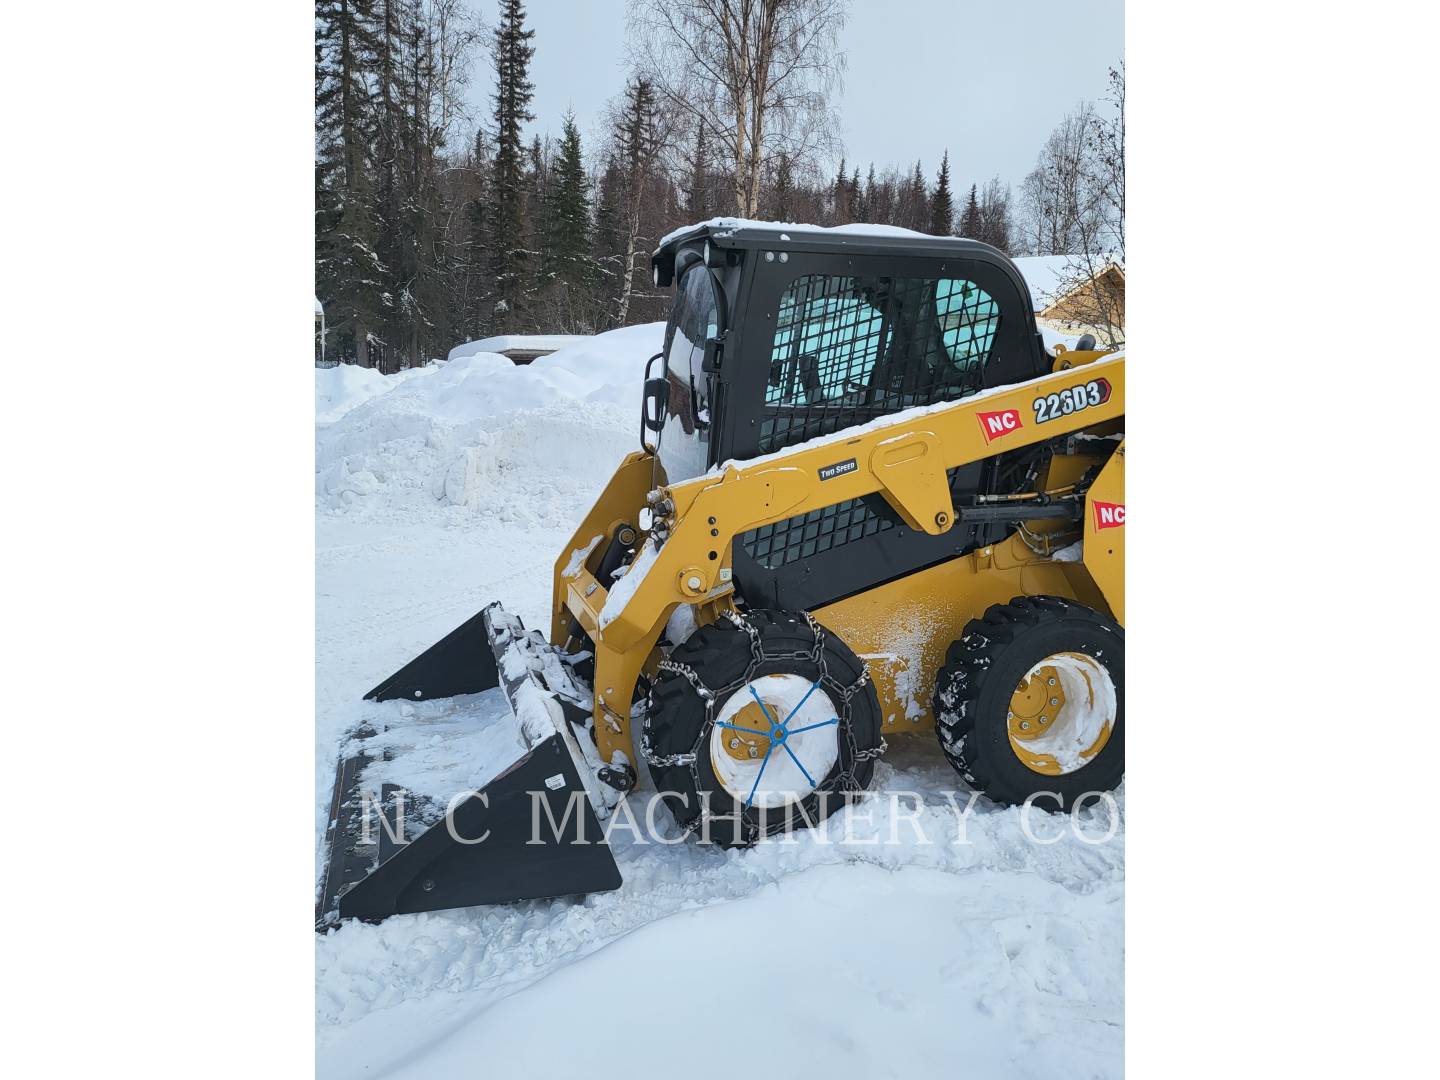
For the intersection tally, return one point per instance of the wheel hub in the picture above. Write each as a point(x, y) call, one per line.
point(749, 738)
point(1062, 713)
point(775, 740)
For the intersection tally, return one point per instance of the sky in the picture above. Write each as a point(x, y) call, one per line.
point(986, 80)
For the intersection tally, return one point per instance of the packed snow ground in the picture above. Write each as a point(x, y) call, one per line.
point(457, 484)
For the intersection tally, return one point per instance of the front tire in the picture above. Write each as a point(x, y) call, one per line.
point(1031, 702)
point(728, 753)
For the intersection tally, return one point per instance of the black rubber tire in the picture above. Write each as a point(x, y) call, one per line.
point(981, 672)
point(719, 653)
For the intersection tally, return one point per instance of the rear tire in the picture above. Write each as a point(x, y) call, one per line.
point(976, 687)
point(720, 657)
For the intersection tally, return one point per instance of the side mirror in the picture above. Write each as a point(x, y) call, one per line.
point(655, 404)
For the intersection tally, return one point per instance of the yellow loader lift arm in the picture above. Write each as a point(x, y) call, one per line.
point(903, 457)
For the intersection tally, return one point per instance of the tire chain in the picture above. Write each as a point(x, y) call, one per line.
point(844, 781)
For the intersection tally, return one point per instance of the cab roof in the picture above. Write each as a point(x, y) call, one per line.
point(865, 239)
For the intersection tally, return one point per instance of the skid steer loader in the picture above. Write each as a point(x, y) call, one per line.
point(867, 500)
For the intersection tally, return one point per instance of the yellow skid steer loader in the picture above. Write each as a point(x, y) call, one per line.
point(867, 500)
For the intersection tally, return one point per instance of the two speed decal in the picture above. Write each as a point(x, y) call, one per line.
point(1071, 400)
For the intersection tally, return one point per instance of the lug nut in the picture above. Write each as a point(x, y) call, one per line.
point(1054, 701)
point(754, 752)
point(1052, 682)
point(694, 583)
point(1024, 725)
point(734, 744)
point(1044, 719)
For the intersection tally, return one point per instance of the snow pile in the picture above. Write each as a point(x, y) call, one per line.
point(339, 389)
point(527, 443)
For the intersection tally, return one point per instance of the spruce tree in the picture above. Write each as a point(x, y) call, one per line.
point(870, 199)
point(513, 93)
point(608, 245)
point(477, 237)
point(917, 201)
point(970, 223)
point(638, 145)
point(348, 271)
point(567, 214)
point(840, 197)
point(942, 213)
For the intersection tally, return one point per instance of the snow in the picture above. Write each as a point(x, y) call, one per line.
point(521, 443)
point(896, 978)
point(319, 307)
point(1071, 552)
point(1088, 711)
point(624, 588)
point(458, 484)
point(579, 555)
point(722, 225)
point(1055, 337)
point(344, 386)
point(504, 343)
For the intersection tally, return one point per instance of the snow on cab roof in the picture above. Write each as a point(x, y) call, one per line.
point(726, 226)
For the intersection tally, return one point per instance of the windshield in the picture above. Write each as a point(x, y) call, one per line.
point(685, 442)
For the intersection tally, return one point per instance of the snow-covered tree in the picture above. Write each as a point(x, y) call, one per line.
point(513, 94)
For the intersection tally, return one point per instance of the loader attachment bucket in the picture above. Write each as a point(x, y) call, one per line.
point(531, 832)
point(459, 663)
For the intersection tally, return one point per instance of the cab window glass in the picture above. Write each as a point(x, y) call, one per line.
point(694, 319)
point(848, 349)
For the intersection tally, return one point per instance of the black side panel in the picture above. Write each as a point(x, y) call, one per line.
point(459, 663)
point(825, 555)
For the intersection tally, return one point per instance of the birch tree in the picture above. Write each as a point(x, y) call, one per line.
point(758, 76)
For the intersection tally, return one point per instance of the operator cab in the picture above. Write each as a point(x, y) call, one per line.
point(780, 334)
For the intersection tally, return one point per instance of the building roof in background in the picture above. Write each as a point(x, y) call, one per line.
point(524, 343)
point(1045, 274)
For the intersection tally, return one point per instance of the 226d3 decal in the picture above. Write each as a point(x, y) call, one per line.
point(1071, 400)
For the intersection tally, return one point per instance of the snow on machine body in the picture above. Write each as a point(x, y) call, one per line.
point(867, 500)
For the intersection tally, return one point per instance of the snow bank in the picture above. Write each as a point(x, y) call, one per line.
point(528, 443)
point(339, 389)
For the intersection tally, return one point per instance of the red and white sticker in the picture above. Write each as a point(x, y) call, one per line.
point(1109, 515)
point(996, 425)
